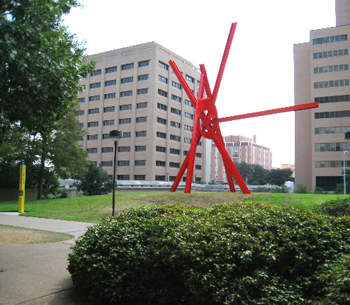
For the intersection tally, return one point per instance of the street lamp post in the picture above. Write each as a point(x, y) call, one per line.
point(115, 135)
point(347, 137)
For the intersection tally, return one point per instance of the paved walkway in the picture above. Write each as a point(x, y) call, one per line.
point(36, 274)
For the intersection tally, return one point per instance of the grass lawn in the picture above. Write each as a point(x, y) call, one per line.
point(93, 208)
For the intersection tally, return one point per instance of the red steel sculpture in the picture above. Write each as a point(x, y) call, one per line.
point(206, 122)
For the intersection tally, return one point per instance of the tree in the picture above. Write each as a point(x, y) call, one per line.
point(339, 188)
point(95, 181)
point(252, 173)
point(279, 176)
point(41, 63)
point(53, 151)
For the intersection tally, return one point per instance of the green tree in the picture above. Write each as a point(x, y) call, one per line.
point(279, 176)
point(41, 63)
point(95, 181)
point(252, 173)
point(339, 188)
point(52, 152)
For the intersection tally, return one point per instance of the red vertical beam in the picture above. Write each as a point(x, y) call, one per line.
point(223, 61)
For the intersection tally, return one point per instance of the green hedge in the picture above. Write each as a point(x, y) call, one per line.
point(239, 253)
point(338, 207)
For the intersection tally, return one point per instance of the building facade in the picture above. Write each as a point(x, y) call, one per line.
point(134, 90)
point(240, 149)
point(322, 75)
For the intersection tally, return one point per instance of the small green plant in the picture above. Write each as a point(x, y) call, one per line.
point(319, 190)
point(301, 189)
point(338, 207)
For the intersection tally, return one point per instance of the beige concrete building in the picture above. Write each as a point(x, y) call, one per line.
point(134, 90)
point(240, 149)
point(322, 75)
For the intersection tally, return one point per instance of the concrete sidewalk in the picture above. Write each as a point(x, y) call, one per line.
point(34, 274)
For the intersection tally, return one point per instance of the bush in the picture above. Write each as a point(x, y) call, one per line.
point(301, 189)
point(338, 207)
point(239, 253)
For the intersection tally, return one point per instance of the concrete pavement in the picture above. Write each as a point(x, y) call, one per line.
point(35, 274)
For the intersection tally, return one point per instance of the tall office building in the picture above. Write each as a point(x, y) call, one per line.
point(322, 75)
point(134, 90)
point(240, 149)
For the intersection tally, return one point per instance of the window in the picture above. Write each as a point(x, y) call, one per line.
point(94, 98)
point(93, 124)
point(123, 148)
point(144, 63)
point(81, 125)
point(109, 109)
point(176, 98)
point(140, 162)
point(96, 72)
point(189, 78)
point(174, 164)
point(175, 111)
point(175, 138)
point(140, 177)
point(111, 69)
point(140, 148)
point(188, 103)
point(80, 112)
point(161, 135)
point(161, 120)
point(328, 147)
point(126, 93)
point(176, 85)
point(198, 155)
point(188, 115)
point(107, 149)
point(334, 53)
point(108, 122)
point(174, 151)
point(332, 114)
point(185, 152)
point(125, 107)
point(95, 85)
point(127, 80)
point(128, 66)
point(107, 163)
point(175, 124)
point(92, 137)
point(162, 79)
point(124, 121)
point(124, 163)
point(109, 96)
point(83, 87)
point(331, 164)
point(332, 99)
point(110, 82)
point(330, 39)
point(95, 110)
point(141, 134)
point(162, 93)
point(160, 178)
point(106, 136)
point(188, 127)
point(335, 68)
point(163, 66)
point(142, 91)
point(199, 167)
point(330, 130)
point(142, 77)
point(162, 107)
point(160, 163)
point(126, 134)
point(142, 105)
point(187, 140)
point(161, 149)
point(141, 119)
point(81, 100)
point(123, 177)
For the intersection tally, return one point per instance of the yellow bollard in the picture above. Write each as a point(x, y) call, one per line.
point(22, 188)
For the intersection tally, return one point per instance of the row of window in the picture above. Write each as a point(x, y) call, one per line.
point(141, 64)
point(329, 130)
point(143, 163)
point(319, 164)
point(332, 99)
point(175, 111)
point(335, 68)
point(166, 67)
point(329, 39)
point(107, 96)
point(326, 147)
point(332, 114)
point(143, 177)
point(334, 53)
point(122, 81)
point(331, 83)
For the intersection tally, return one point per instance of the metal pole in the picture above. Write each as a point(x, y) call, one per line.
point(345, 151)
point(115, 167)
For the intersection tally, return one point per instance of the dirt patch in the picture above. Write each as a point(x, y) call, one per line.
point(16, 235)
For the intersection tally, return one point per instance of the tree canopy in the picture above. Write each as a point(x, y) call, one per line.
point(41, 63)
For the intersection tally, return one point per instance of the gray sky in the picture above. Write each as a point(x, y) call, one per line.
point(259, 73)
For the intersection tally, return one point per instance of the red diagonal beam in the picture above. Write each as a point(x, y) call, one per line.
point(223, 61)
point(267, 112)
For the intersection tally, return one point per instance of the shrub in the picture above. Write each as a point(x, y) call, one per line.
point(338, 207)
point(301, 189)
point(239, 253)
point(319, 190)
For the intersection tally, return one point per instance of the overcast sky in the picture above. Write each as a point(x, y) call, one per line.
point(259, 73)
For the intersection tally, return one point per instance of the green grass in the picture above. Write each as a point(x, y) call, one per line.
point(93, 208)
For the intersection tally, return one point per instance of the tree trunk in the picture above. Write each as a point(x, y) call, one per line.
point(41, 178)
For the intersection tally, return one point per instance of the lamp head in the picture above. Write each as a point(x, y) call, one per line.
point(116, 134)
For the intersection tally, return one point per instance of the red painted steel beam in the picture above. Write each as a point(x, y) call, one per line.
point(268, 112)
